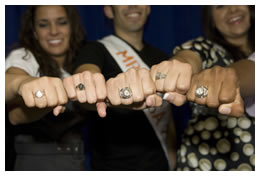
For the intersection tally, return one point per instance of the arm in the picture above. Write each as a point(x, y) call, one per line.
point(24, 107)
point(245, 70)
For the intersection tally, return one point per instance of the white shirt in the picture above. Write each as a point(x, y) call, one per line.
point(25, 60)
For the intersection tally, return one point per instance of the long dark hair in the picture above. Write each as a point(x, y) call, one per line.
point(48, 66)
point(214, 35)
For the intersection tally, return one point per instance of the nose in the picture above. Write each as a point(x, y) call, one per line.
point(53, 29)
point(233, 8)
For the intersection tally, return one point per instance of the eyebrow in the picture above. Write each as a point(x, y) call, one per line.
point(46, 20)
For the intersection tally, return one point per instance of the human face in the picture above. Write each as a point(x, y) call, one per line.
point(232, 21)
point(52, 29)
point(130, 18)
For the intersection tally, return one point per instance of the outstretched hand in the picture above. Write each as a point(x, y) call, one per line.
point(87, 87)
point(222, 90)
point(133, 88)
point(172, 78)
point(44, 92)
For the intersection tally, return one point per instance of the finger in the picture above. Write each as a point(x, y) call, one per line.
point(184, 78)
point(100, 85)
point(69, 86)
point(162, 70)
point(153, 100)
point(61, 93)
point(170, 82)
point(113, 92)
point(228, 88)
point(81, 94)
point(213, 93)
point(235, 108)
point(90, 89)
point(133, 79)
point(147, 82)
point(122, 86)
point(101, 109)
point(175, 98)
point(153, 72)
point(51, 94)
point(191, 92)
point(40, 102)
point(57, 110)
point(28, 98)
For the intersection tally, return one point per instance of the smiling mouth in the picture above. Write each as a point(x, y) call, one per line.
point(235, 19)
point(54, 42)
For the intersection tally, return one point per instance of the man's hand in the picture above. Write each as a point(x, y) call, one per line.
point(173, 78)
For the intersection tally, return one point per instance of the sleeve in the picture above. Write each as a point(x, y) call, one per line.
point(24, 60)
point(210, 53)
point(92, 53)
point(252, 57)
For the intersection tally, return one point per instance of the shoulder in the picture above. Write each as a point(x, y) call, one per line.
point(23, 59)
point(21, 53)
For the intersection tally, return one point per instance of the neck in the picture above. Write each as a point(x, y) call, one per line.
point(59, 60)
point(133, 38)
point(242, 42)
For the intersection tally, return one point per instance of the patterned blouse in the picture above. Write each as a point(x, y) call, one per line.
point(213, 141)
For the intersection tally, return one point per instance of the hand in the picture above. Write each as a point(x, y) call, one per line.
point(51, 93)
point(87, 87)
point(223, 90)
point(136, 83)
point(172, 77)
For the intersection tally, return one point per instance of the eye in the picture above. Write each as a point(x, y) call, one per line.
point(63, 22)
point(43, 25)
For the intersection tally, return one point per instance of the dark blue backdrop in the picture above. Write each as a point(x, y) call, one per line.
point(168, 25)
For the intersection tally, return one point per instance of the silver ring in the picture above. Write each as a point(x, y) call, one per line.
point(160, 75)
point(125, 93)
point(80, 86)
point(201, 92)
point(38, 94)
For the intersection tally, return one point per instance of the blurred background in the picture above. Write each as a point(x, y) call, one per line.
point(168, 25)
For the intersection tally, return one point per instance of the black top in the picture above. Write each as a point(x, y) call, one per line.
point(124, 140)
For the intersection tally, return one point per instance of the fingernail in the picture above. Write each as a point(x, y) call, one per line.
point(225, 110)
point(165, 96)
point(151, 101)
point(168, 97)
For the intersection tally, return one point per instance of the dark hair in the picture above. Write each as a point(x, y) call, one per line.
point(47, 65)
point(214, 35)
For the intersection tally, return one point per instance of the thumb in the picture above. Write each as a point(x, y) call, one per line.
point(101, 109)
point(175, 98)
point(235, 108)
point(58, 109)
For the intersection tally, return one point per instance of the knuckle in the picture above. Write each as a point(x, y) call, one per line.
point(149, 90)
point(212, 104)
point(138, 98)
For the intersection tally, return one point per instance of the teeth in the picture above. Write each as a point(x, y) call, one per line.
point(54, 41)
point(133, 15)
point(235, 19)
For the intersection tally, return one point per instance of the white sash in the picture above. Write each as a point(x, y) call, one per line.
point(127, 58)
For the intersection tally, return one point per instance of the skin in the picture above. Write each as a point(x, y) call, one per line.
point(128, 24)
point(224, 84)
point(52, 30)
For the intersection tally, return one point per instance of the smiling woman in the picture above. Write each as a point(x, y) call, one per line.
point(34, 89)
